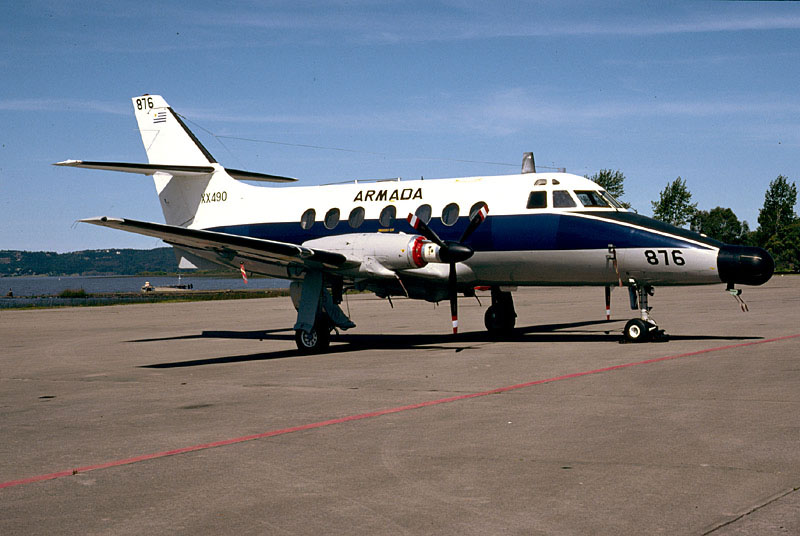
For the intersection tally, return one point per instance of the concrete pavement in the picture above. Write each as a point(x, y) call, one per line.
point(581, 435)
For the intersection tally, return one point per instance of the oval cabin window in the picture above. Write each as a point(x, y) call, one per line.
point(356, 217)
point(450, 214)
point(423, 212)
point(387, 216)
point(332, 218)
point(308, 218)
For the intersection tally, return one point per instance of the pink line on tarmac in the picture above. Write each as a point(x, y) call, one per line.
point(351, 418)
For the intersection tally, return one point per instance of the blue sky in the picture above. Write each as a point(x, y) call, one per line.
point(709, 91)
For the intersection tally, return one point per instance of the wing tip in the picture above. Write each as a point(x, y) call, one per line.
point(101, 220)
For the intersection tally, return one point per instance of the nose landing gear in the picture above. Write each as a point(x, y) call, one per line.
point(644, 328)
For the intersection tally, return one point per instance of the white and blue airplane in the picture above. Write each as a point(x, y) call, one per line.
point(424, 239)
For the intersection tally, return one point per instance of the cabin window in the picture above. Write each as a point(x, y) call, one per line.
point(450, 214)
point(475, 208)
point(423, 212)
point(387, 216)
point(537, 199)
point(356, 217)
point(562, 199)
point(590, 198)
point(308, 218)
point(332, 218)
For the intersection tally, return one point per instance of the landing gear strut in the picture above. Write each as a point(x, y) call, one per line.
point(644, 328)
point(500, 317)
point(318, 312)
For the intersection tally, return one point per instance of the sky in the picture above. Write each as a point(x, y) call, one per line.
point(366, 89)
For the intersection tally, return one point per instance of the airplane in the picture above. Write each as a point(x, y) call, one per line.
point(424, 239)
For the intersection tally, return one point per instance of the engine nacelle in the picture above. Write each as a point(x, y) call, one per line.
point(391, 251)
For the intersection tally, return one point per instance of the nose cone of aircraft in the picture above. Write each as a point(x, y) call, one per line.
point(745, 265)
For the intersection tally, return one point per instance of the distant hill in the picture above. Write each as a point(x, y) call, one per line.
point(90, 262)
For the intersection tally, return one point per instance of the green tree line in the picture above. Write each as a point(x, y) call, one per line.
point(778, 228)
point(90, 262)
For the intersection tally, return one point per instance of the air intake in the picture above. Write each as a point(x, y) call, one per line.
point(528, 165)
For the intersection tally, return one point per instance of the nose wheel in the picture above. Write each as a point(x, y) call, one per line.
point(638, 330)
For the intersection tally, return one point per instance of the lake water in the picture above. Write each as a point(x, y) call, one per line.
point(50, 286)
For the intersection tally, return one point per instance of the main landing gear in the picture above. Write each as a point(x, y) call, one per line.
point(500, 317)
point(318, 312)
point(644, 328)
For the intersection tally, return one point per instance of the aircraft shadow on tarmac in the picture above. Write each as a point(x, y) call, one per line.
point(567, 332)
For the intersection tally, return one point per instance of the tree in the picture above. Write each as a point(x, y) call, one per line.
point(778, 211)
point(721, 224)
point(612, 182)
point(674, 205)
point(778, 225)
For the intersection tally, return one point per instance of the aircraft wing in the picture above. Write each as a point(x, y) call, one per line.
point(226, 247)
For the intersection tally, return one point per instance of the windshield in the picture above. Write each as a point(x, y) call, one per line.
point(611, 199)
point(591, 198)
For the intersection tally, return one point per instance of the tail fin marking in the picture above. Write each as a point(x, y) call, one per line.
point(166, 138)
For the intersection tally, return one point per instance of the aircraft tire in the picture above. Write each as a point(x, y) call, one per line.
point(317, 340)
point(637, 330)
point(498, 323)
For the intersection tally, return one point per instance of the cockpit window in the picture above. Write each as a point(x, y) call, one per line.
point(537, 199)
point(562, 199)
point(590, 198)
point(610, 198)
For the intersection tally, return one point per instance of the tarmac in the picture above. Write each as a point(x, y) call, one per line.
point(200, 418)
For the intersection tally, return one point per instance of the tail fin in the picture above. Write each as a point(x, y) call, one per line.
point(182, 169)
point(166, 138)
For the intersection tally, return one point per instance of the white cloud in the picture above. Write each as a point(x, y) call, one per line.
point(432, 22)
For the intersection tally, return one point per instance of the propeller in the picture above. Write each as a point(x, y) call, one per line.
point(452, 252)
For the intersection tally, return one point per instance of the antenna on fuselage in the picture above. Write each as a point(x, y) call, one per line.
point(528, 164)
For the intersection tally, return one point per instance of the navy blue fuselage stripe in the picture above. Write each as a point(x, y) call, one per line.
point(518, 232)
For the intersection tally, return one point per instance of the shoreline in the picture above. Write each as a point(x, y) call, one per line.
point(126, 298)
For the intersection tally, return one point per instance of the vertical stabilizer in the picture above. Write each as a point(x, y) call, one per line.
point(166, 138)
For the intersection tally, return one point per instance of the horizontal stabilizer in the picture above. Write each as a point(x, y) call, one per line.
point(150, 169)
point(252, 176)
point(144, 169)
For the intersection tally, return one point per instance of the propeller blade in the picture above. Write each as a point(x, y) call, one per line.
point(452, 289)
point(451, 252)
point(476, 220)
point(424, 230)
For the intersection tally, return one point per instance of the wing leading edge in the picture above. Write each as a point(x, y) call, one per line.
point(227, 247)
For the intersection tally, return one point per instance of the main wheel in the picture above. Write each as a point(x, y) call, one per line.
point(315, 341)
point(637, 330)
point(498, 321)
